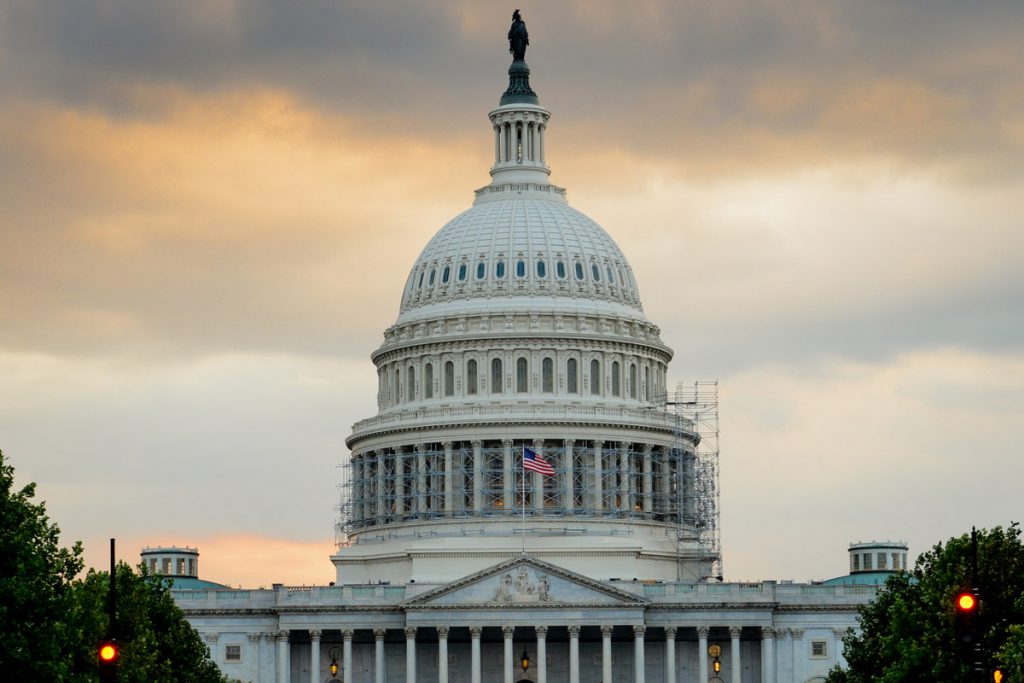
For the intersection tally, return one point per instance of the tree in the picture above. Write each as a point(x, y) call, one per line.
point(1011, 655)
point(908, 632)
point(157, 643)
point(35, 586)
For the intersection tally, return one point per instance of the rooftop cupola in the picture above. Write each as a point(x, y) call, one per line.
point(519, 122)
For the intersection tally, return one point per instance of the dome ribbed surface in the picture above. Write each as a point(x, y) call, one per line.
point(521, 248)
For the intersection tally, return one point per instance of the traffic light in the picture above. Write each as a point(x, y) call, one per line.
point(965, 609)
point(108, 653)
point(998, 676)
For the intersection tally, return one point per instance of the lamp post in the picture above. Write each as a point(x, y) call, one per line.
point(715, 651)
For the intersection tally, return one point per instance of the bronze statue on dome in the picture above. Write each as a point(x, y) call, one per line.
point(518, 38)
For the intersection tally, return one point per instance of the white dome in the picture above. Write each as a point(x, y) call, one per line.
point(521, 252)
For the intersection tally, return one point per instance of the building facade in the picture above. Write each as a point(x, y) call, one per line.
point(521, 336)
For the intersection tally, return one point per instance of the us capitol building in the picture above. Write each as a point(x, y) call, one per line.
point(521, 332)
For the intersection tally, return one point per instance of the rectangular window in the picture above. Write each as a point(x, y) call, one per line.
point(895, 560)
point(867, 561)
point(819, 648)
point(856, 563)
point(232, 653)
point(881, 561)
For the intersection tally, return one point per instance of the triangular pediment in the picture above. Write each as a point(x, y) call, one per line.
point(524, 582)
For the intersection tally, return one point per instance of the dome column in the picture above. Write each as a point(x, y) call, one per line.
point(625, 478)
point(421, 479)
point(449, 498)
point(478, 478)
point(538, 480)
point(648, 481)
point(568, 485)
point(507, 480)
point(598, 477)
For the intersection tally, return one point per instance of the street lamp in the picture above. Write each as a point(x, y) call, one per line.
point(524, 661)
point(715, 651)
point(333, 654)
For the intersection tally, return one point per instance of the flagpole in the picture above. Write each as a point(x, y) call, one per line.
point(523, 470)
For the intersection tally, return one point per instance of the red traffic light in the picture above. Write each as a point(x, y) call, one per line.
point(108, 652)
point(966, 602)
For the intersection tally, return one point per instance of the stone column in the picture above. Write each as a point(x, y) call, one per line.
point(768, 655)
point(543, 129)
point(666, 481)
point(449, 480)
point(567, 487)
point(670, 654)
point(648, 481)
point(410, 654)
point(399, 482)
point(442, 654)
point(538, 480)
point(379, 484)
point(542, 654)
point(574, 654)
point(474, 667)
point(255, 638)
point(478, 477)
point(606, 654)
point(840, 658)
point(270, 639)
point(734, 653)
point(639, 674)
point(508, 481)
point(509, 658)
point(598, 477)
point(378, 655)
point(346, 653)
point(501, 142)
point(497, 144)
point(421, 478)
point(284, 668)
point(625, 479)
point(798, 656)
point(702, 653)
point(314, 654)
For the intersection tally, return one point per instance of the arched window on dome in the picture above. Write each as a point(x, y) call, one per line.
point(446, 275)
point(520, 268)
point(647, 382)
point(471, 376)
point(398, 386)
point(616, 379)
point(560, 270)
point(571, 378)
point(522, 376)
point(632, 380)
point(499, 269)
point(611, 275)
point(428, 381)
point(433, 272)
point(579, 270)
point(449, 378)
point(497, 382)
point(481, 270)
point(419, 285)
point(622, 278)
point(410, 384)
point(462, 272)
point(595, 270)
point(547, 374)
point(595, 377)
point(542, 268)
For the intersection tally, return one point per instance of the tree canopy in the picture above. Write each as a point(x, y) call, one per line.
point(909, 632)
point(51, 623)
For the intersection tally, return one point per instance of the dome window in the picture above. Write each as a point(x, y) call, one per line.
point(611, 275)
point(449, 378)
point(616, 380)
point(542, 268)
point(462, 272)
point(428, 381)
point(433, 272)
point(420, 284)
point(496, 383)
point(410, 384)
point(481, 270)
point(632, 380)
point(595, 377)
point(560, 270)
point(446, 275)
point(547, 372)
point(622, 278)
point(499, 269)
point(471, 377)
point(579, 270)
point(522, 377)
point(572, 381)
point(520, 268)
point(596, 272)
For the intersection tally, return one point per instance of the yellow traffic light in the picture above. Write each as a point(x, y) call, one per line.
point(997, 676)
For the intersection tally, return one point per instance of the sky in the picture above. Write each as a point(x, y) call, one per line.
point(208, 211)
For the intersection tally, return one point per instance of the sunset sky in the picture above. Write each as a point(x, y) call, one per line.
point(208, 211)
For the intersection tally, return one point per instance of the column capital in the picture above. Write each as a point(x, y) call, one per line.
point(648, 448)
point(420, 448)
point(266, 635)
point(767, 632)
point(508, 631)
point(569, 443)
point(211, 637)
point(703, 631)
point(735, 631)
point(639, 630)
point(538, 443)
point(599, 443)
point(840, 632)
point(474, 631)
point(314, 634)
point(255, 637)
point(378, 633)
point(670, 632)
point(542, 631)
point(797, 632)
point(410, 632)
point(442, 631)
point(606, 631)
point(574, 631)
point(347, 633)
point(507, 443)
point(476, 443)
point(282, 636)
point(446, 445)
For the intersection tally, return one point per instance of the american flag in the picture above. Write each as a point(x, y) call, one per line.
point(536, 463)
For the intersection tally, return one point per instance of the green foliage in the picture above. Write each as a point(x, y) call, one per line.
point(908, 633)
point(1011, 656)
point(157, 644)
point(35, 586)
